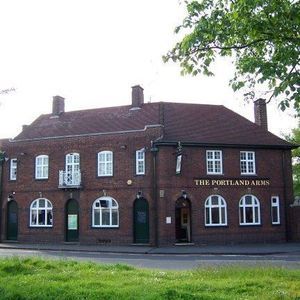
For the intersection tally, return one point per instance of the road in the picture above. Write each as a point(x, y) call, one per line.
point(163, 261)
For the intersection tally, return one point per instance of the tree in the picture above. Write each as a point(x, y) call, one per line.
point(262, 37)
point(294, 137)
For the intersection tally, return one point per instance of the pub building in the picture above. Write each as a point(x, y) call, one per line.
point(157, 173)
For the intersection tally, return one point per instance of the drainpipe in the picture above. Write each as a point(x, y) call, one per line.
point(286, 178)
point(154, 151)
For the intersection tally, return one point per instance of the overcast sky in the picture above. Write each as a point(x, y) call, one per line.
point(91, 52)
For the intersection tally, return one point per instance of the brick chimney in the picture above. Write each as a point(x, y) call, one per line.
point(260, 113)
point(58, 106)
point(137, 96)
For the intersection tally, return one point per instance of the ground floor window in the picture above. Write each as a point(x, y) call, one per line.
point(105, 212)
point(41, 213)
point(275, 212)
point(249, 210)
point(215, 211)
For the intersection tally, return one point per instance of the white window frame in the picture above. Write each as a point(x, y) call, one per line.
point(214, 161)
point(140, 162)
point(43, 166)
point(254, 206)
point(275, 204)
point(48, 208)
point(106, 163)
point(178, 163)
point(220, 206)
point(112, 207)
point(13, 169)
point(247, 162)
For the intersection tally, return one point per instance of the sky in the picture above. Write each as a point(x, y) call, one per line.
point(91, 52)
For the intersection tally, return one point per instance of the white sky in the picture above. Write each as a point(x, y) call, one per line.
point(91, 52)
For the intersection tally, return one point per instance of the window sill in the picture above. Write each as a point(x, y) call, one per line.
point(220, 174)
point(105, 227)
point(215, 225)
point(248, 174)
point(250, 224)
point(40, 226)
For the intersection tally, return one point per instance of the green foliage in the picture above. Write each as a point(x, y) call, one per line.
point(294, 137)
point(261, 36)
point(34, 278)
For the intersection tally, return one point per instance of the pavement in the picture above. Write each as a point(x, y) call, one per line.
point(241, 249)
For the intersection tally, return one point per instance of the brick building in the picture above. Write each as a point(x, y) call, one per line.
point(147, 173)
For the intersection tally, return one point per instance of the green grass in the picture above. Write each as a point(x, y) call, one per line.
point(34, 278)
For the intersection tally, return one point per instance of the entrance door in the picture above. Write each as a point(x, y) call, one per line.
point(141, 221)
point(72, 221)
point(183, 221)
point(12, 220)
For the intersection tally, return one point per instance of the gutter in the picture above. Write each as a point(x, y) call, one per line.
point(220, 145)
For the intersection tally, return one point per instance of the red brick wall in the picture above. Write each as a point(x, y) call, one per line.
point(269, 164)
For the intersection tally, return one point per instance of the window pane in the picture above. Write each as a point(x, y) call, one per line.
point(256, 215)
point(104, 203)
point(105, 217)
point(214, 200)
point(42, 203)
point(207, 216)
point(41, 217)
point(114, 217)
point(33, 217)
point(215, 215)
point(223, 220)
point(249, 215)
point(275, 218)
point(49, 217)
point(248, 200)
point(96, 217)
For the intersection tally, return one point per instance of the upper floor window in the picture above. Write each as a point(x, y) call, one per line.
point(215, 211)
point(105, 163)
point(214, 162)
point(275, 211)
point(247, 162)
point(249, 210)
point(13, 169)
point(140, 162)
point(41, 167)
point(41, 213)
point(105, 212)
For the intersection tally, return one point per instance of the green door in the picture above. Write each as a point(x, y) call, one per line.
point(141, 221)
point(12, 220)
point(72, 221)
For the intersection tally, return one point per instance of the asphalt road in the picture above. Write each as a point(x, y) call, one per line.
point(166, 262)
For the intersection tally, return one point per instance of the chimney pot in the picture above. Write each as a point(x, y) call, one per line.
point(260, 113)
point(58, 106)
point(137, 96)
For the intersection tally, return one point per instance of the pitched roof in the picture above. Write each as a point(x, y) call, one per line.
point(192, 123)
point(214, 124)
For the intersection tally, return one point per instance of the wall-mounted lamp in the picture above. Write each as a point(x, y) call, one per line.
point(104, 192)
point(184, 194)
point(11, 196)
point(40, 194)
point(139, 194)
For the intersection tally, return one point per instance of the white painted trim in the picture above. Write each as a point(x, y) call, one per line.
point(87, 134)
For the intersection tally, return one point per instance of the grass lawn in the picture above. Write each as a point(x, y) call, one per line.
point(34, 278)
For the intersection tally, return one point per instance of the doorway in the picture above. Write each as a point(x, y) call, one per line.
point(183, 220)
point(72, 221)
point(141, 221)
point(12, 220)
